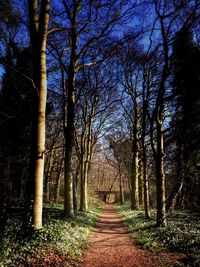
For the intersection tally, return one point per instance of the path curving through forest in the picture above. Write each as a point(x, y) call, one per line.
point(111, 245)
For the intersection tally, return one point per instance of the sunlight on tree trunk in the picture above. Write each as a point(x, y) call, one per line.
point(84, 181)
point(39, 22)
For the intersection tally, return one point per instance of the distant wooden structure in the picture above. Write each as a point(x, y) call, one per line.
point(109, 196)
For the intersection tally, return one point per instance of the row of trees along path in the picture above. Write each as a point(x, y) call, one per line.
point(111, 246)
point(110, 84)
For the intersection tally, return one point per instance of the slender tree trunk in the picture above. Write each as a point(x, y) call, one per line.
point(68, 124)
point(172, 201)
point(144, 152)
point(69, 143)
point(68, 190)
point(47, 175)
point(145, 184)
point(84, 181)
point(75, 187)
point(56, 184)
point(87, 148)
point(69, 130)
point(121, 189)
point(75, 193)
point(134, 180)
point(140, 184)
point(160, 178)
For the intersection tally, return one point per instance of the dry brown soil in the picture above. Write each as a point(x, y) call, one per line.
point(111, 246)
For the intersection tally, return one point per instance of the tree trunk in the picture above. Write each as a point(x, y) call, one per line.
point(75, 193)
point(160, 178)
point(140, 184)
point(69, 129)
point(47, 175)
point(84, 181)
point(145, 184)
point(87, 149)
point(69, 142)
point(134, 183)
point(121, 189)
point(135, 167)
point(58, 182)
point(75, 187)
point(40, 146)
point(38, 32)
point(68, 178)
point(172, 200)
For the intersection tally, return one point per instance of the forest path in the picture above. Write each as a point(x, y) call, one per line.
point(111, 246)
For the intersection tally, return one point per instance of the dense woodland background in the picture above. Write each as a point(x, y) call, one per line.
point(122, 111)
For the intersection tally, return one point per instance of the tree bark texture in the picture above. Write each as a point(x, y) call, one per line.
point(38, 33)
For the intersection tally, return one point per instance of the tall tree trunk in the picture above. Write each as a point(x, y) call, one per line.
point(145, 96)
point(135, 167)
point(69, 143)
point(69, 129)
point(87, 149)
point(40, 146)
point(38, 32)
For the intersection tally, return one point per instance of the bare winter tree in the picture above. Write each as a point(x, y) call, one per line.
point(85, 24)
point(96, 104)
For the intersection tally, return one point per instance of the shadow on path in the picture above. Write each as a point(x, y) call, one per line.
point(111, 246)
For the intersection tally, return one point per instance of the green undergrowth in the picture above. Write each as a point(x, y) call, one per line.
point(60, 239)
point(182, 233)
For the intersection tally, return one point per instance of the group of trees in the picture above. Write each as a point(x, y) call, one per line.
point(115, 77)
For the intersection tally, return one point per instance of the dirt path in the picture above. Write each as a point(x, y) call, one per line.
point(111, 245)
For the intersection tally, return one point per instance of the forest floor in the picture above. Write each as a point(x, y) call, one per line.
point(112, 246)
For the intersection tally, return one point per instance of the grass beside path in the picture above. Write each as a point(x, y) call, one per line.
point(60, 240)
point(182, 233)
